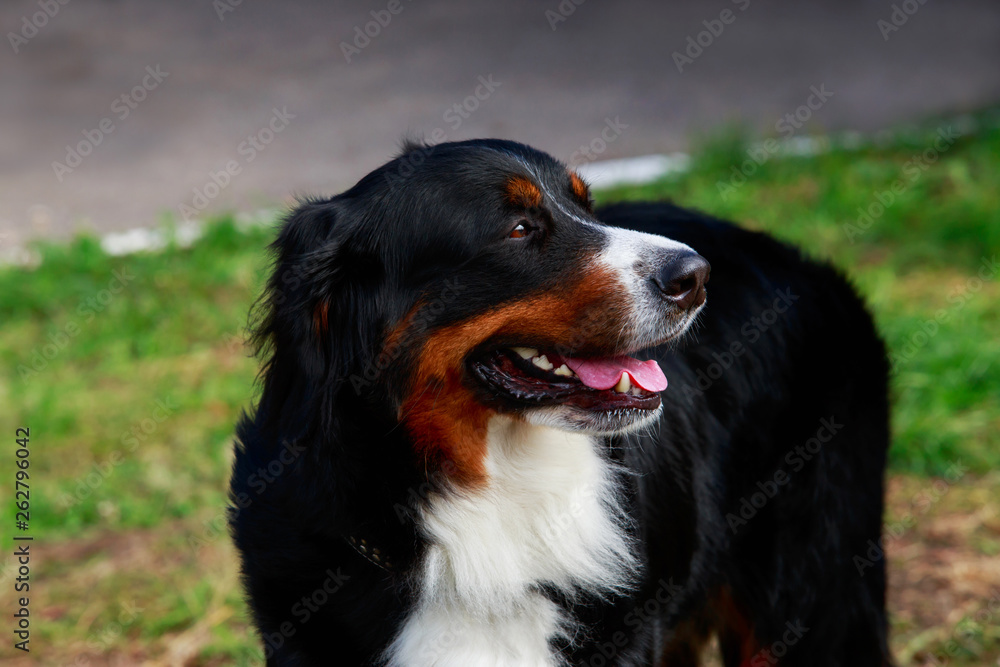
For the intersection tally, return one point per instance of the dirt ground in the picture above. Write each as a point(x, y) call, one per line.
point(943, 541)
point(944, 583)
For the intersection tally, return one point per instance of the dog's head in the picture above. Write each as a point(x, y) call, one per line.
point(465, 280)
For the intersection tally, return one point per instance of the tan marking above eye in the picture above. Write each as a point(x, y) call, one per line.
point(580, 189)
point(520, 191)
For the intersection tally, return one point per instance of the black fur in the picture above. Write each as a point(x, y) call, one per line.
point(340, 466)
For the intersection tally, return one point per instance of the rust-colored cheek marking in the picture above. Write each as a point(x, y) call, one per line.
point(580, 189)
point(523, 193)
point(398, 334)
point(443, 417)
point(321, 315)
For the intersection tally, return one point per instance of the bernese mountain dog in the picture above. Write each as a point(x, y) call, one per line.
point(465, 450)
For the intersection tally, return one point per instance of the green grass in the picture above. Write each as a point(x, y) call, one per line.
point(131, 385)
point(130, 396)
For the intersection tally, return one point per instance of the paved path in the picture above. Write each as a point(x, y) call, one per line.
point(209, 97)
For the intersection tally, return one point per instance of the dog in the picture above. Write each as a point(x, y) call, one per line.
point(465, 450)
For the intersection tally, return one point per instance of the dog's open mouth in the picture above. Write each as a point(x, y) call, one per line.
point(536, 377)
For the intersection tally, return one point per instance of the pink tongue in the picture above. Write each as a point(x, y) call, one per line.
point(605, 373)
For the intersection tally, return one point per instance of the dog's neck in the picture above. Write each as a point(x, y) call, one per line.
point(549, 516)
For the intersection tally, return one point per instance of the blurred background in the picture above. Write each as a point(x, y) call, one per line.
point(149, 147)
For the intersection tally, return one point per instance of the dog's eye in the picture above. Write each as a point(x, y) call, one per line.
point(522, 230)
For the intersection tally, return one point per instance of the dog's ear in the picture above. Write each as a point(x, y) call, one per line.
point(312, 322)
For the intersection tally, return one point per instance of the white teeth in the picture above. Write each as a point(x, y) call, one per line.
point(530, 353)
point(543, 363)
point(624, 384)
point(636, 391)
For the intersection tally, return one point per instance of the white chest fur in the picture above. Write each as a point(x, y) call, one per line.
point(549, 515)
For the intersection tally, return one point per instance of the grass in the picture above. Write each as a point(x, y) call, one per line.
point(130, 372)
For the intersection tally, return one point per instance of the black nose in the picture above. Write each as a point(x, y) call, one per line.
point(682, 280)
